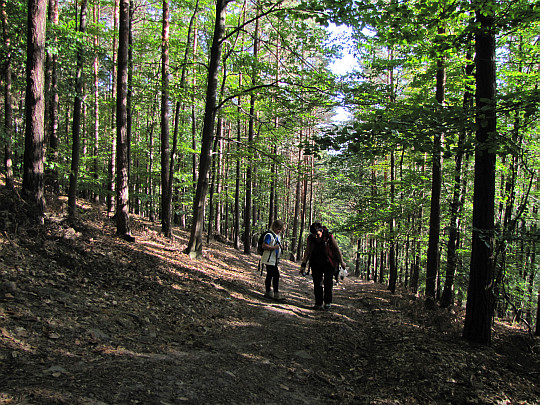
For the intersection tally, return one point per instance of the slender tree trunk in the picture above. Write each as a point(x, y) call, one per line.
point(392, 252)
point(436, 184)
point(33, 187)
point(190, 37)
point(96, 103)
point(52, 112)
point(112, 163)
point(212, 209)
point(194, 247)
point(302, 212)
point(251, 132)
point(8, 106)
point(122, 156)
point(447, 298)
point(77, 112)
point(480, 302)
point(236, 240)
point(537, 330)
point(166, 198)
point(130, 95)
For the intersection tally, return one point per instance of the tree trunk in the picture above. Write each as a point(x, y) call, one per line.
point(478, 318)
point(52, 112)
point(212, 209)
point(33, 187)
point(236, 233)
point(112, 162)
point(166, 197)
point(392, 252)
point(194, 247)
point(96, 103)
point(8, 106)
point(122, 156)
point(432, 269)
point(130, 95)
point(447, 298)
point(77, 112)
point(537, 330)
point(251, 133)
point(299, 248)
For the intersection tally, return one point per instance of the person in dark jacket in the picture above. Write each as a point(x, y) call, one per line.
point(324, 257)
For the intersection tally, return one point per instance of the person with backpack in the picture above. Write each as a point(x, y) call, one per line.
point(324, 257)
point(271, 252)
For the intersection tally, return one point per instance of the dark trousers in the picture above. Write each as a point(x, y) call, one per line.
point(272, 278)
point(323, 281)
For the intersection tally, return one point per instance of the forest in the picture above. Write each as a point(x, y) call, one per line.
point(217, 117)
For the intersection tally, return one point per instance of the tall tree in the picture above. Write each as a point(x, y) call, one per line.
point(77, 113)
point(95, 149)
point(447, 297)
point(251, 133)
point(432, 269)
point(194, 247)
point(8, 106)
point(166, 195)
point(480, 300)
point(33, 187)
point(122, 156)
point(111, 186)
point(53, 97)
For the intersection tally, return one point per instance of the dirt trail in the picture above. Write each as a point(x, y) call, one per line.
point(86, 318)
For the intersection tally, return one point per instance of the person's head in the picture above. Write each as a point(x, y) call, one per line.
point(277, 226)
point(316, 229)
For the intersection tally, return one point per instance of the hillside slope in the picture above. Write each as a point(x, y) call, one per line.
point(88, 318)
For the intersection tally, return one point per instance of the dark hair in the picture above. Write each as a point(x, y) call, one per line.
point(277, 225)
point(314, 227)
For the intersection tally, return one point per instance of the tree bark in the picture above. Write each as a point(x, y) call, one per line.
point(8, 106)
point(447, 298)
point(194, 247)
point(122, 156)
point(77, 112)
point(33, 187)
point(432, 269)
point(480, 302)
point(111, 188)
point(392, 279)
point(96, 103)
point(166, 195)
point(248, 210)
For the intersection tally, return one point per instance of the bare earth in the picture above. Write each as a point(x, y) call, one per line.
point(88, 318)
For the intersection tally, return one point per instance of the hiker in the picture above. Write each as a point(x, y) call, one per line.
point(324, 258)
point(271, 252)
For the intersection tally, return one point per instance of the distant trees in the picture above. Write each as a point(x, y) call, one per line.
point(493, 273)
point(405, 186)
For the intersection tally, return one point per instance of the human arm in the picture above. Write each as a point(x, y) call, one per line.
point(270, 243)
point(306, 256)
point(337, 251)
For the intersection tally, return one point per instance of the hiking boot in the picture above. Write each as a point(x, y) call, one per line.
point(269, 294)
point(277, 296)
point(317, 307)
point(327, 306)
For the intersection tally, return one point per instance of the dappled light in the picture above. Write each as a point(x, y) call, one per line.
point(86, 317)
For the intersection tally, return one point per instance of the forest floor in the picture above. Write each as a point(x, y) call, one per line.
point(88, 318)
